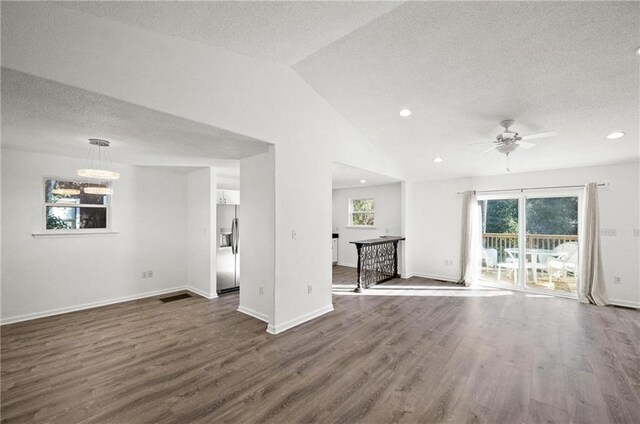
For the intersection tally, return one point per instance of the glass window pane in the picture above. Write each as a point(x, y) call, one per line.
point(552, 243)
point(93, 217)
point(71, 192)
point(552, 215)
point(362, 205)
point(67, 218)
point(61, 218)
point(360, 218)
point(500, 226)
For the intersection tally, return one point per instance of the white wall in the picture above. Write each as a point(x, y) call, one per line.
point(246, 95)
point(41, 276)
point(388, 205)
point(201, 232)
point(257, 235)
point(434, 211)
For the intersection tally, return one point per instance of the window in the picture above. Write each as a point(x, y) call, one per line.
point(361, 212)
point(68, 207)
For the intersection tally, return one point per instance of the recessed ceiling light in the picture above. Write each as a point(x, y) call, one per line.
point(615, 135)
point(437, 160)
point(363, 181)
point(405, 112)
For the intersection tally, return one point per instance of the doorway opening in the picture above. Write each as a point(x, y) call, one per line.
point(530, 242)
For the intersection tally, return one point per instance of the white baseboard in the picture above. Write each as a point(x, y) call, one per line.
point(253, 313)
point(202, 292)
point(431, 276)
point(625, 303)
point(346, 264)
point(67, 309)
point(299, 320)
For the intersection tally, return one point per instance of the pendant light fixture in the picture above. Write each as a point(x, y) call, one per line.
point(61, 191)
point(101, 174)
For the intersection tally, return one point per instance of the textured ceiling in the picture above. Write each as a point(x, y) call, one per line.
point(345, 176)
point(284, 32)
point(462, 67)
point(43, 116)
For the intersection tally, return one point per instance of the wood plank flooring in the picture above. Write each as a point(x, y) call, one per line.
point(408, 351)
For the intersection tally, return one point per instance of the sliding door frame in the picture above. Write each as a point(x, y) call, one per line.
point(522, 197)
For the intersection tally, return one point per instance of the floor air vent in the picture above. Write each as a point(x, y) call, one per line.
point(176, 297)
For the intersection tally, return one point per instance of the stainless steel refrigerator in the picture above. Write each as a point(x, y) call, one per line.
point(228, 256)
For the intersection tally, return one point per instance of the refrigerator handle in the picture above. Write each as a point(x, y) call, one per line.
point(234, 236)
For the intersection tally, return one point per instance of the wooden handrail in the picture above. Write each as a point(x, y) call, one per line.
point(501, 241)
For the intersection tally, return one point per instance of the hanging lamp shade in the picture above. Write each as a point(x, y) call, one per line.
point(65, 188)
point(99, 176)
point(101, 171)
point(65, 191)
point(98, 190)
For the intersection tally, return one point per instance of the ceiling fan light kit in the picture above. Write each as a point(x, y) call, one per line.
point(507, 148)
point(509, 141)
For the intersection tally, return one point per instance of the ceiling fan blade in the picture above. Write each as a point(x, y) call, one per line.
point(539, 135)
point(526, 145)
point(490, 148)
point(481, 142)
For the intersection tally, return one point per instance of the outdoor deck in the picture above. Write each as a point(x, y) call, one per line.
point(503, 242)
point(567, 284)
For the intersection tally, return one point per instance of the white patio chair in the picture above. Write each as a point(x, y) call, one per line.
point(489, 257)
point(560, 266)
point(563, 250)
point(511, 264)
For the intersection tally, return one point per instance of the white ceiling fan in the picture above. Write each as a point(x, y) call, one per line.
point(509, 141)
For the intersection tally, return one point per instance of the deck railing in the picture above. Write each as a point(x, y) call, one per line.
point(501, 241)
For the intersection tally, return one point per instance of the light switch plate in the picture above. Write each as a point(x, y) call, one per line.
point(611, 232)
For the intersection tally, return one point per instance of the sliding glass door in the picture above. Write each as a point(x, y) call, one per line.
point(552, 243)
point(530, 241)
point(500, 242)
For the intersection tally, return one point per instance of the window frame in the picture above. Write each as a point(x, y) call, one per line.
point(351, 212)
point(73, 231)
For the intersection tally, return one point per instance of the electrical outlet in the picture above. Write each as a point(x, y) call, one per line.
point(149, 274)
point(144, 274)
point(617, 280)
point(261, 289)
point(294, 235)
point(448, 262)
point(309, 288)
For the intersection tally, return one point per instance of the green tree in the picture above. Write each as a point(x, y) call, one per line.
point(502, 216)
point(55, 223)
point(552, 215)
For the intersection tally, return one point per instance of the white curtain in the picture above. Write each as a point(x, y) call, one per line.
point(470, 243)
point(591, 282)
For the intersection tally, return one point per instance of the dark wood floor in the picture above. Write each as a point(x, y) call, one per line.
point(414, 351)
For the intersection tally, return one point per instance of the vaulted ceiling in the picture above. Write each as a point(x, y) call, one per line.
point(461, 67)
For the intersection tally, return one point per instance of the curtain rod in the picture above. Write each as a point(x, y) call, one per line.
point(531, 188)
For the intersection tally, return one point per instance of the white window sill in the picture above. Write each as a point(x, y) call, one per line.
point(361, 227)
point(76, 233)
